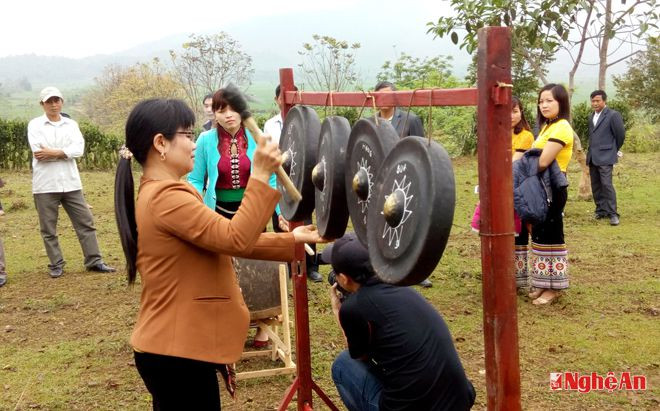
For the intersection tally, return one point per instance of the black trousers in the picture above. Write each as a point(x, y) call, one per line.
point(603, 190)
point(179, 383)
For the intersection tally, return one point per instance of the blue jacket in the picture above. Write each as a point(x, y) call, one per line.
point(532, 192)
point(207, 157)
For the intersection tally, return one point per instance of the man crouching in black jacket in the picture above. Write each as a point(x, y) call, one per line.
point(400, 353)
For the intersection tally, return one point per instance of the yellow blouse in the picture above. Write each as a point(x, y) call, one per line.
point(522, 141)
point(559, 132)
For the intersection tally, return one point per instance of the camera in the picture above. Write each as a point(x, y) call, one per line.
point(332, 280)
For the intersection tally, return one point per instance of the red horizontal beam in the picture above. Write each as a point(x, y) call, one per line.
point(405, 98)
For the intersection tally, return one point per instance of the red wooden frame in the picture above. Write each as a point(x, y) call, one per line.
point(493, 100)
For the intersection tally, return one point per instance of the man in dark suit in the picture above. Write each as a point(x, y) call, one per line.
point(208, 111)
point(606, 135)
point(413, 127)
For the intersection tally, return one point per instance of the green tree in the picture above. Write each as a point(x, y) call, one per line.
point(640, 85)
point(209, 62)
point(118, 89)
point(452, 126)
point(328, 63)
point(409, 72)
point(525, 81)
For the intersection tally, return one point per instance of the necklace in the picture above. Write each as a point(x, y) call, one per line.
point(235, 177)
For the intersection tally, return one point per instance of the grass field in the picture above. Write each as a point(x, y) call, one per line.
point(64, 343)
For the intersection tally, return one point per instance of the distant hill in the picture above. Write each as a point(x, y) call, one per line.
point(272, 43)
point(41, 70)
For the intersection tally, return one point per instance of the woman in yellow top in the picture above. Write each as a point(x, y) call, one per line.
point(521, 134)
point(521, 141)
point(549, 252)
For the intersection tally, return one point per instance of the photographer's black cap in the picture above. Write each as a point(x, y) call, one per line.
point(347, 255)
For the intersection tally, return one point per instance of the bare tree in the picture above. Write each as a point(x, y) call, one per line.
point(328, 63)
point(209, 62)
point(119, 88)
point(605, 23)
point(543, 27)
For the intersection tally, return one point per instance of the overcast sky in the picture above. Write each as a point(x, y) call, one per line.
point(79, 28)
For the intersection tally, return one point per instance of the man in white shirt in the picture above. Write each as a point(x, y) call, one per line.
point(56, 141)
point(273, 126)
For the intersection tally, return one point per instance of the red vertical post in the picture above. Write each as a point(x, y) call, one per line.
point(303, 381)
point(497, 229)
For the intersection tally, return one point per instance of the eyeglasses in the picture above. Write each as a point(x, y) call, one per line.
point(188, 134)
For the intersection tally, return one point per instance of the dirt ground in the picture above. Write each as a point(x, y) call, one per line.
point(64, 343)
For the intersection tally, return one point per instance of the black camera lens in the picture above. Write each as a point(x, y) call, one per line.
point(332, 279)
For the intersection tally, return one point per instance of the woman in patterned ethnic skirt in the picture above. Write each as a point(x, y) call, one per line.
point(521, 141)
point(549, 252)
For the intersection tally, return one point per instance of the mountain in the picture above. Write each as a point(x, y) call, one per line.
point(274, 42)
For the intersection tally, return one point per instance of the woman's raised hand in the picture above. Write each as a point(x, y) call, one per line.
point(267, 158)
point(308, 234)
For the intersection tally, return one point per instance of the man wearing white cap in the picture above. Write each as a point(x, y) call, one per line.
point(56, 141)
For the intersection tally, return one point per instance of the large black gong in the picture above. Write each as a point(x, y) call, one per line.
point(411, 211)
point(368, 145)
point(328, 178)
point(298, 143)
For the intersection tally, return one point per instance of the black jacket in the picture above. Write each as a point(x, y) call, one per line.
point(414, 127)
point(533, 191)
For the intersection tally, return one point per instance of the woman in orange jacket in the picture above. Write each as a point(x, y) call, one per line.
point(192, 319)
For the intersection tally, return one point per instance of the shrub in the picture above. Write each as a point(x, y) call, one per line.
point(455, 128)
point(14, 149)
point(642, 138)
point(100, 148)
point(580, 116)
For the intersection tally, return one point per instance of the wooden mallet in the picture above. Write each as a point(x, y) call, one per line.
point(238, 102)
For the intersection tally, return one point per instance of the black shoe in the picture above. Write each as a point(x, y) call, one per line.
point(101, 268)
point(3, 279)
point(314, 276)
point(56, 272)
point(426, 283)
point(599, 216)
point(614, 219)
